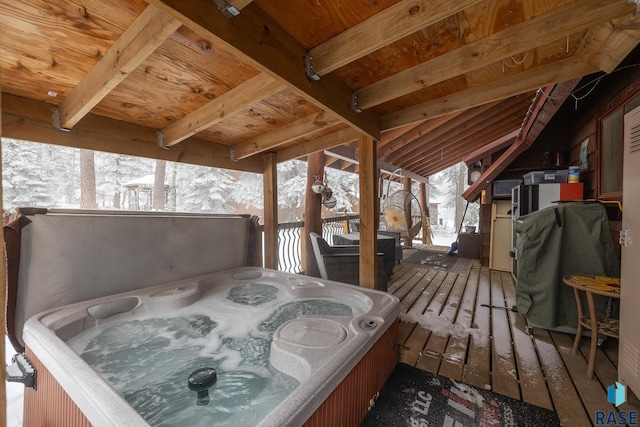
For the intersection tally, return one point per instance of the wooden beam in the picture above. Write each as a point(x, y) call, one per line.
point(312, 212)
point(368, 211)
point(239, 4)
point(233, 101)
point(3, 297)
point(315, 145)
point(152, 28)
point(298, 129)
point(349, 154)
point(492, 147)
point(31, 121)
point(257, 39)
point(270, 183)
point(523, 37)
point(606, 45)
point(393, 23)
point(527, 81)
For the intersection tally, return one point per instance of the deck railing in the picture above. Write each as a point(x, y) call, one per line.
point(290, 239)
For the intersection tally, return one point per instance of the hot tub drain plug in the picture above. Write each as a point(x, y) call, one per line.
point(200, 381)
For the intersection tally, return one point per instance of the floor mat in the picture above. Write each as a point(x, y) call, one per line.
point(412, 397)
point(440, 261)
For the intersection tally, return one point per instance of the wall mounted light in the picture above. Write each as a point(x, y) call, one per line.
point(318, 186)
point(328, 199)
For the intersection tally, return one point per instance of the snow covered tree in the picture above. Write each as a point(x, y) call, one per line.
point(87, 180)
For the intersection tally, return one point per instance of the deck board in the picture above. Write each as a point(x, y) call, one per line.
point(503, 361)
point(566, 399)
point(592, 394)
point(532, 383)
point(453, 360)
point(437, 344)
point(445, 329)
point(477, 370)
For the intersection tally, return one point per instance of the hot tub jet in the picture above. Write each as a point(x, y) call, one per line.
point(201, 380)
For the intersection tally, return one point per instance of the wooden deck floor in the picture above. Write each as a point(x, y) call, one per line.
point(445, 329)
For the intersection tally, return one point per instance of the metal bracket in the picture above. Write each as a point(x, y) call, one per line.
point(226, 9)
point(308, 67)
point(354, 103)
point(22, 371)
point(57, 122)
point(637, 2)
point(232, 155)
point(161, 140)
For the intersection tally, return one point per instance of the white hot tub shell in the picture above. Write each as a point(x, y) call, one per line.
point(321, 352)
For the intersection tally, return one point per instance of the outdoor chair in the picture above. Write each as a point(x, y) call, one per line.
point(398, 250)
point(342, 263)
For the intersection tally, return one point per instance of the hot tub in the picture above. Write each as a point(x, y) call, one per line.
point(288, 350)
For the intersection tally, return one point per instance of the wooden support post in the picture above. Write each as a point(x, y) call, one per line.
point(3, 294)
point(368, 211)
point(312, 213)
point(406, 186)
point(426, 220)
point(270, 183)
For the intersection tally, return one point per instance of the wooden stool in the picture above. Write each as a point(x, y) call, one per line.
point(599, 285)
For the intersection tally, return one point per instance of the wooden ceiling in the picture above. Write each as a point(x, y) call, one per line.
point(218, 83)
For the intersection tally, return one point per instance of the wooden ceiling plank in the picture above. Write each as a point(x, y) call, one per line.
point(322, 143)
point(152, 28)
point(527, 81)
point(298, 129)
point(559, 22)
point(256, 38)
point(395, 22)
point(233, 101)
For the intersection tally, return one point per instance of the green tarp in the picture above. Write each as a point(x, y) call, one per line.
point(556, 242)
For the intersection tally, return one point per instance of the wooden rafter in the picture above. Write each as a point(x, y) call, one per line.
point(152, 28)
point(522, 37)
point(259, 87)
point(447, 129)
point(280, 136)
point(527, 81)
point(453, 151)
point(257, 39)
point(393, 23)
point(488, 149)
point(387, 147)
point(315, 145)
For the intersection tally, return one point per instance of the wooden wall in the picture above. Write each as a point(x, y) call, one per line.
point(575, 122)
